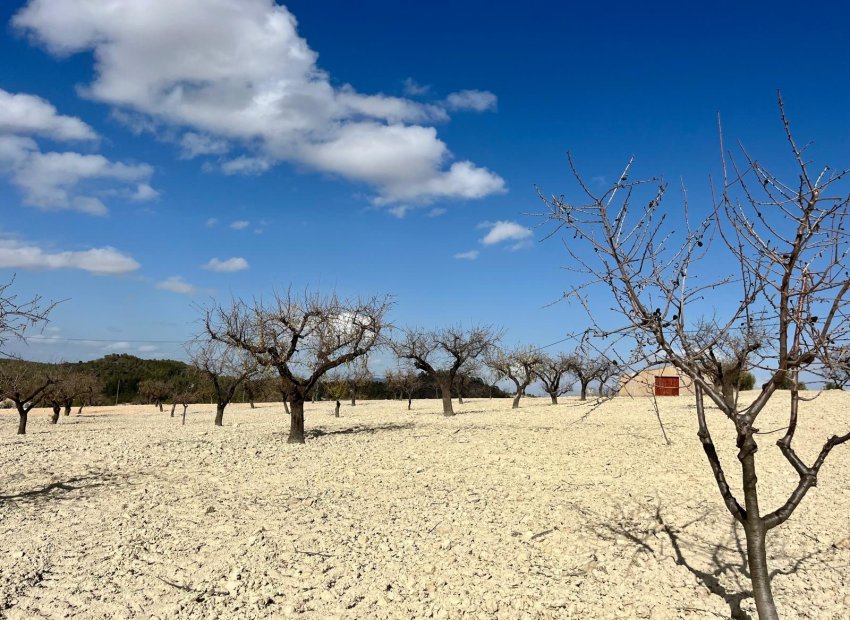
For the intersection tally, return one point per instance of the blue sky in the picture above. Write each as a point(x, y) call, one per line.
point(367, 147)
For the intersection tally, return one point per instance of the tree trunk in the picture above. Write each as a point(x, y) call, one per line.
point(409, 403)
point(80, 410)
point(22, 421)
point(68, 405)
point(183, 423)
point(515, 404)
point(353, 399)
point(252, 403)
point(447, 399)
point(173, 407)
point(756, 531)
point(219, 414)
point(336, 409)
point(57, 408)
point(584, 390)
point(286, 407)
point(160, 406)
point(554, 398)
point(296, 421)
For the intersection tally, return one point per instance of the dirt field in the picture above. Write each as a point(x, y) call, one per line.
point(386, 513)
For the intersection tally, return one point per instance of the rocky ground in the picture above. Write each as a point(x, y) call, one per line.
point(384, 513)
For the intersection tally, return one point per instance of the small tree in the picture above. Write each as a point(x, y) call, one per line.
point(154, 391)
point(25, 385)
point(442, 353)
point(587, 367)
point(224, 367)
point(16, 317)
point(789, 243)
point(89, 390)
point(301, 337)
point(519, 366)
point(403, 383)
point(551, 371)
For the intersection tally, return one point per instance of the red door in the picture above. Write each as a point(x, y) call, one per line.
point(666, 386)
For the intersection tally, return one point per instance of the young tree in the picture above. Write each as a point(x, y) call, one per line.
point(337, 387)
point(154, 391)
point(519, 366)
point(89, 389)
point(301, 337)
point(25, 385)
point(551, 371)
point(62, 391)
point(789, 243)
point(442, 353)
point(587, 367)
point(403, 383)
point(358, 377)
point(224, 367)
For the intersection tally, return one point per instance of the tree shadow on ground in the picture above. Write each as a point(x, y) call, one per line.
point(719, 564)
point(357, 430)
point(58, 490)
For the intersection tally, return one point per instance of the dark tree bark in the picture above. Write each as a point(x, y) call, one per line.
point(219, 414)
point(517, 396)
point(68, 404)
point(409, 402)
point(159, 404)
point(22, 422)
point(554, 397)
point(57, 409)
point(336, 409)
point(584, 385)
point(446, 393)
point(286, 407)
point(296, 425)
point(173, 407)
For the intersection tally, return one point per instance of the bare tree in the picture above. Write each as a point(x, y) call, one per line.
point(403, 382)
point(25, 385)
point(519, 366)
point(551, 371)
point(442, 353)
point(789, 242)
point(16, 317)
point(301, 337)
point(154, 391)
point(357, 376)
point(587, 367)
point(224, 367)
point(89, 389)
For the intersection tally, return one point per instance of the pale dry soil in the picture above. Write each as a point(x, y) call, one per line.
point(385, 513)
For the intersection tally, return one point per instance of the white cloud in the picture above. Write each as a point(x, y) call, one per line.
point(99, 261)
point(60, 180)
point(195, 144)
point(237, 263)
point(27, 114)
point(471, 255)
point(504, 231)
point(400, 211)
point(476, 100)
point(239, 73)
point(117, 346)
point(212, 222)
point(240, 224)
point(176, 284)
point(148, 348)
point(436, 212)
point(413, 89)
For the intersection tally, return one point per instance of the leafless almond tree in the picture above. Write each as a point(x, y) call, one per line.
point(519, 366)
point(225, 367)
point(789, 243)
point(25, 385)
point(587, 366)
point(16, 317)
point(442, 353)
point(302, 337)
point(551, 371)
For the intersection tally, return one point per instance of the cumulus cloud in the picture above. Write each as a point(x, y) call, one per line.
point(240, 224)
point(177, 284)
point(239, 75)
point(148, 348)
point(504, 231)
point(475, 100)
point(61, 180)
point(99, 261)
point(237, 263)
point(27, 114)
point(471, 255)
